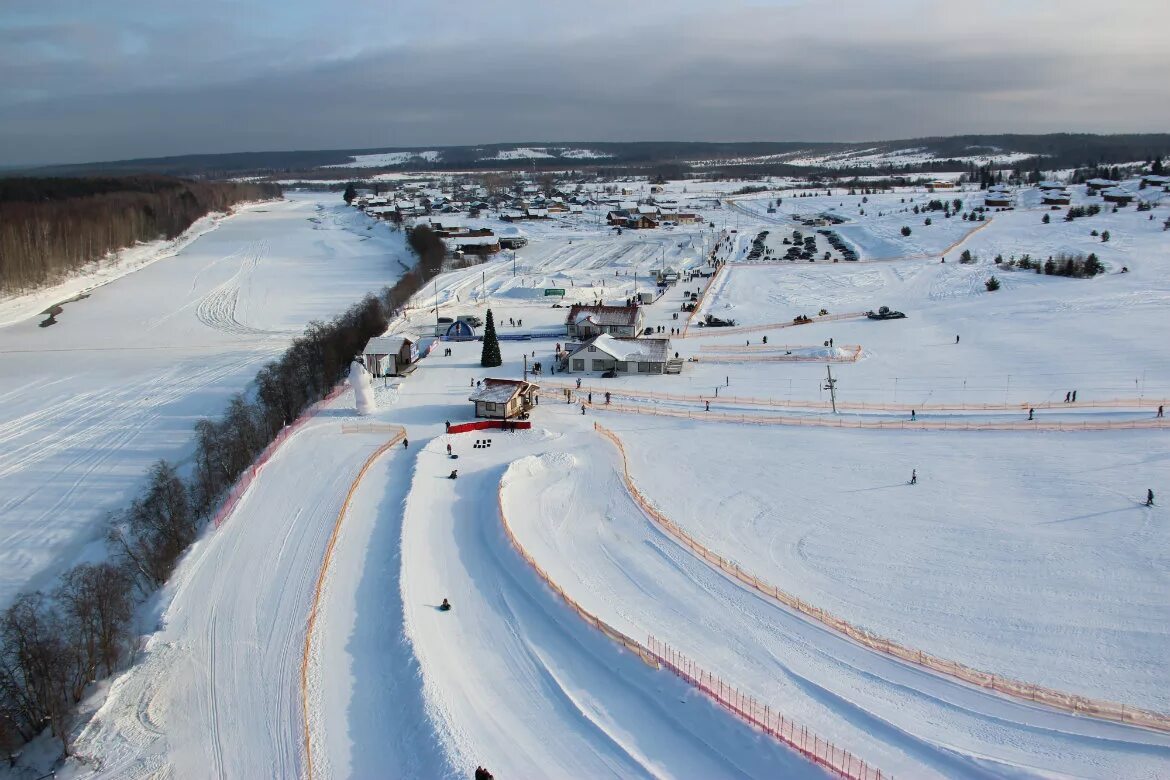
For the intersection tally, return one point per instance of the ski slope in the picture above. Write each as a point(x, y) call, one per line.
point(217, 690)
point(1025, 553)
point(118, 382)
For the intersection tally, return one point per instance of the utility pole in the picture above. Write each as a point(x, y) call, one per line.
point(831, 386)
point(513, 263)
point(525, 366)
point(436, 301)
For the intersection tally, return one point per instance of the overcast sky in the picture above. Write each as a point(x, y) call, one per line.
point(86, 80)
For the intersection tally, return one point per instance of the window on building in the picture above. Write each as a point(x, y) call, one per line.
point(489, 406)
point(643, 368)
point(578, 364)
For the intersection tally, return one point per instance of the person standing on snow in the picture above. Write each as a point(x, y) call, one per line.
point(913, 476)
point(1031, 414)
point(1149, 496)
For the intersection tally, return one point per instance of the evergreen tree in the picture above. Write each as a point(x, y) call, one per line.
point(1157, 168)
point(491, 344)
point(350, 193)
point(991, 284)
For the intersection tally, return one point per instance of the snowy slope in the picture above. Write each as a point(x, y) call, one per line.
point(119, 381)
point(218, 689)
point(1023, 552)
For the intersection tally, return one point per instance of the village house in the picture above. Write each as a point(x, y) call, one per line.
point(511, 238)
point(1056, 198)
point(1119, 196)
point(642, 222)
point(935, 186)
point(501, 399)
point(586, 320)
point(388, 355)
point(474, 244)
point(620, 355)
point(1096, 185)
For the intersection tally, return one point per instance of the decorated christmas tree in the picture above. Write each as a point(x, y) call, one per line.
point(491, 345)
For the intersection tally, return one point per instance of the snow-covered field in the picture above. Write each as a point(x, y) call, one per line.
point(1027, 553)
point(118, 382)
point(385, 159)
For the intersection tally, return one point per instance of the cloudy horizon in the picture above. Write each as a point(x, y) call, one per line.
point(132, 79)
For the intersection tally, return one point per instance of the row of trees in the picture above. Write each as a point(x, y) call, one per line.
point(51, 227)
point(53, 645)
point(1077, 266)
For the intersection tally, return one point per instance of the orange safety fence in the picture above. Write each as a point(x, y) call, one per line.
point(245, 481)
point(745, 706)
point(851, 354)
point(734, 400)
point(928, 424)
point(702, 299)
point(326, 560)
point(657, 655)
point(1017, 689)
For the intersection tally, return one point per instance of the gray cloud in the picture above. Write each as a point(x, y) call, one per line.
point(765, 71)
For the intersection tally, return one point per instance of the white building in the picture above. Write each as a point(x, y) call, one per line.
point(623, 356)
point(388, 355)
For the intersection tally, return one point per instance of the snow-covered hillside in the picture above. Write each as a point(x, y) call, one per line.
point(121, 378)
point(954, 504)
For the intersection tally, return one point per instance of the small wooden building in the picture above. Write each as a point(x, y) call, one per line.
point(501, 399)
point(1117, 196)
point(388, 355)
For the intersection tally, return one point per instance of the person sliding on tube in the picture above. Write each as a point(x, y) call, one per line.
point(445, 606)
point(454, 474)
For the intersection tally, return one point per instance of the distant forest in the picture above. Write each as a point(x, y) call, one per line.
point(50, 227)
point(1058, 151)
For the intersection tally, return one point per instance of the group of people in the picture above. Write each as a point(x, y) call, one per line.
point(515, 323)
point(1070, 397)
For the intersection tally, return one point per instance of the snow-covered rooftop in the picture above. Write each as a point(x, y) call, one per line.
point(384, 345)
point(623, 349)
point(500, 391)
